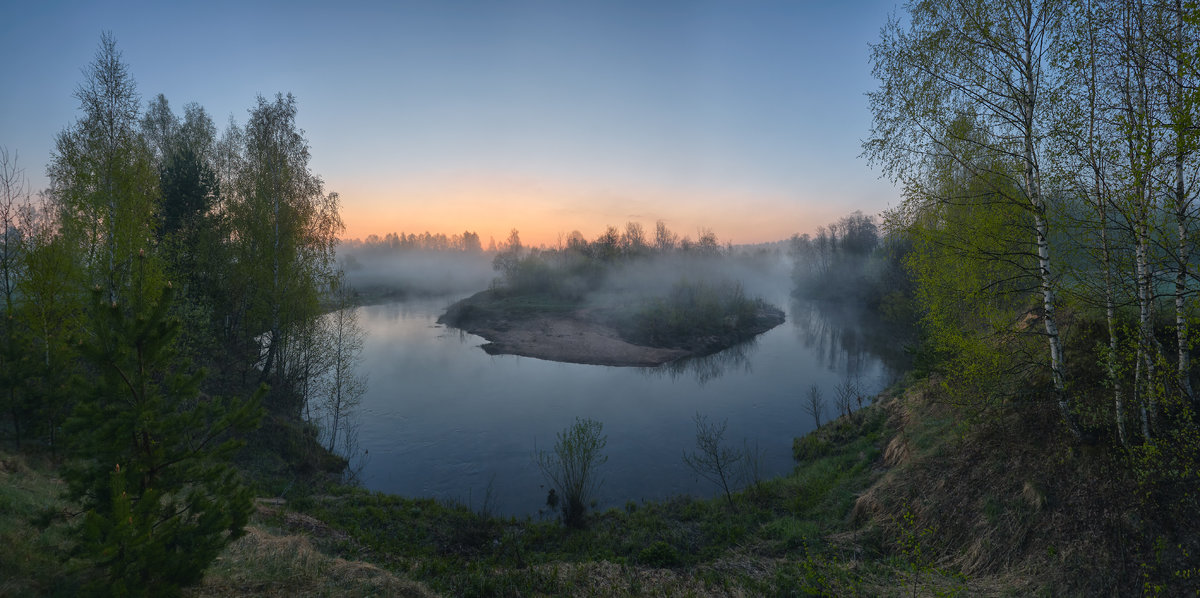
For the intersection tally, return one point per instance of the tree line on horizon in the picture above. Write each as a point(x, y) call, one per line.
point(467, 242)
point(630, 239)
point(577, 266)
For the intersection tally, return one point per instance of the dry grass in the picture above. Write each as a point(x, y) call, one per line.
point(264, 564)
point(603, 578)
point(1010, 499)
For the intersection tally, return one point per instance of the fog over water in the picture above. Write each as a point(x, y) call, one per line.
point(441, 418)
point(417, 272)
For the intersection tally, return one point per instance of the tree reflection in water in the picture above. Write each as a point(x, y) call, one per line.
point(706, 368)
point(847, 337)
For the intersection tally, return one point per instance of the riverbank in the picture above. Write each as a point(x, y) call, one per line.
point(554, 329)
point(899, 498)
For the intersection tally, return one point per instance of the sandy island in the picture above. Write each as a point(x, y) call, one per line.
point(578, 337)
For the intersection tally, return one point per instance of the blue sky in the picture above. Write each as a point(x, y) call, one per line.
point(744, 117)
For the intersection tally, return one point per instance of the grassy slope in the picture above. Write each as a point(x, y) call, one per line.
point(903, 499)
point(30, 561)
point(793, 535)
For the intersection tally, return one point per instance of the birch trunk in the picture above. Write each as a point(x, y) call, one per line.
point(1182, 205)
point(1033, 187)
point(1100, 196)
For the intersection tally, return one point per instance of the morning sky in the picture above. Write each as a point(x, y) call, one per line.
point(743, 117)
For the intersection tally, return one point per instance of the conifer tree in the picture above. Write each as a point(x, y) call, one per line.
point(152, 455)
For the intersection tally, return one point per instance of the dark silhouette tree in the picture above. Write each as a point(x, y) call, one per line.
point(152, 455)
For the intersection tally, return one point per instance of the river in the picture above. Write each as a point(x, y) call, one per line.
point(443, 419)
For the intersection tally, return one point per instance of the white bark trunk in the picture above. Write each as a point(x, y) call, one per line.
point(1182, 203)
point(1033, 189)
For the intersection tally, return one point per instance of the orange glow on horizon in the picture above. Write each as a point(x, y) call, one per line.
point(545, 213)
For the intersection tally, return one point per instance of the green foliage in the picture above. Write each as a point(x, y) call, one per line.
point(51, 315)
point(285, 231)
point(806, 577)
point(974, 285)
point(16, 365)
point(151, 466)
point(572, 467)
point(189, 187)
point(660, 554)
point(913, 547)
point(193, 241)
point(33, 561)
point(693, 310)
point(103, 181)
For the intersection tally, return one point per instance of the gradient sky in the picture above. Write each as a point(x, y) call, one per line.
point(743, 117)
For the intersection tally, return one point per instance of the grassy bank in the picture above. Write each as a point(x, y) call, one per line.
point(909, 496)
point(799, 534)
point(344, 540)
point(774, 541)
point(912, 495)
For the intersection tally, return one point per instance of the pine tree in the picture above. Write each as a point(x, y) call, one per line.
point(152, 455)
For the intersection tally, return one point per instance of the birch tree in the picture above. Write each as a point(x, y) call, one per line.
point(1176, 48)
point(1086, 144)
point(991, 60)
point(102, 176)
point(284, 230)
point(1134, 113)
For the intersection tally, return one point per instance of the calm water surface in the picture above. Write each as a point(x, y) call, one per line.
point(443, 419)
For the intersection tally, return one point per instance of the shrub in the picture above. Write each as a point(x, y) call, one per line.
point(712, 459)
point(693, 310)
point(659, 554)
point(571, 468)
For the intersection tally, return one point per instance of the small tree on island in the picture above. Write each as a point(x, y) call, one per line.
point(152, 456)
point(571, 468)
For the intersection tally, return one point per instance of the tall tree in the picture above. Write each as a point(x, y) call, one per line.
point(14, 196)
point(160, 127)
point(152, 455)
point(1086, 145)
point(1135, 114)
point(989, 60)
point(1177, 55)
point(51, 313)
point(102, 176)
point(284, 227)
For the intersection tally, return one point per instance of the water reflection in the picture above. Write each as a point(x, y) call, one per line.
point(443, 419)
point(706, 368)
point(848, 338)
